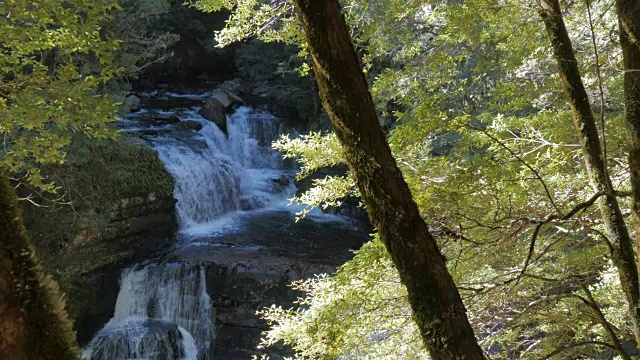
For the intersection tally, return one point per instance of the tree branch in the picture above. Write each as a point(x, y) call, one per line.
point(534, 171)
point(600, 90)
point(576, 209)
point(603, 321)
point(575, 345)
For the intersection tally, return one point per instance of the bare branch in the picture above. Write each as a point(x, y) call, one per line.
point(576, 209)
point(605, 324)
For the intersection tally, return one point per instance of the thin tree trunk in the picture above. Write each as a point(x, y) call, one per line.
point(437, 308)
point(33, 322)
point(585, 124)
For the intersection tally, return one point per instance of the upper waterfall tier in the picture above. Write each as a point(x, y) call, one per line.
point(217, 173)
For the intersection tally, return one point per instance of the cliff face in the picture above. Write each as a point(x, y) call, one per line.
point(139, 228)
point(117, 210)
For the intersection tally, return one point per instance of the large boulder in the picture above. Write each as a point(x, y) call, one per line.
point(134, 103)
point(217, 105)
point(190, 124)
point(226, 97)
point(214, 111)
point(222, 97)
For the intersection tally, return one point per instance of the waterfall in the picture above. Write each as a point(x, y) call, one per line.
point(163, 310)
point(141, 338)
point(250, 136)
point(221, 177)
point(174, 292)
point(207, 184)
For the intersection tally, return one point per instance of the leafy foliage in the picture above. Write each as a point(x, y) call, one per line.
point(362, 307)
point(53, 60)
point(314, 151)
point(482, 132)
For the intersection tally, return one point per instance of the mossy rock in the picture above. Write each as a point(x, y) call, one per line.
point(103, 171)
point(116, 205)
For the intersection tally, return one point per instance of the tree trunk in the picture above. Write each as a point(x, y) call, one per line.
point(33, 322)
point(629, 23)
point(584, 121)
point(437, 308)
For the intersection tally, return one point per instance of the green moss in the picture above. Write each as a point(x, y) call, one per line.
point(79, 233)
point(95, 178)
point(102, 171)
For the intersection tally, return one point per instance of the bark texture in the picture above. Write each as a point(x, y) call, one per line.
point(33, 322)
point(629, 23)
point(437, 307)
point(585, 124)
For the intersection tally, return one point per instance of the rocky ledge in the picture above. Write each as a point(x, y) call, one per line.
point(253, 268)
point(118, 210)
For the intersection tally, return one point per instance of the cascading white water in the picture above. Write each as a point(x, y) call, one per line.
point(250, 136)
point(207, 184)
point(163, 311)
point(221, 177)
point(142, 338)
point(173, 294)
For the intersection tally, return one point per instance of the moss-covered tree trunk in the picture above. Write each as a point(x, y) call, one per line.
point(33, 322)
point(629, 23)
point(436, 304)
point(585, 124)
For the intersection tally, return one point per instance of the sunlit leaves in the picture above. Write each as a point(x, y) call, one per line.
point(313, 151)
point(327, 193)
point(46, 91)
point(361, 313)
point(267, 20)
point(480, 128)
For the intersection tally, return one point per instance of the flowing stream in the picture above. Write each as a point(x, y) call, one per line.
point(223, 184)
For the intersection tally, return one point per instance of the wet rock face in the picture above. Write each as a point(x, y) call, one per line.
point(240, 290)
point(156, 118)
point(143, 227)
point(215, 111)
point(190, 124)
point(252, 269)
point(282, 180)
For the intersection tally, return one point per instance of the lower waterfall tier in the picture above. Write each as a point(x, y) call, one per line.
point(141, 338)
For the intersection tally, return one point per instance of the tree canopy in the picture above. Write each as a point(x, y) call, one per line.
point(478, 121)
point(52, 63)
